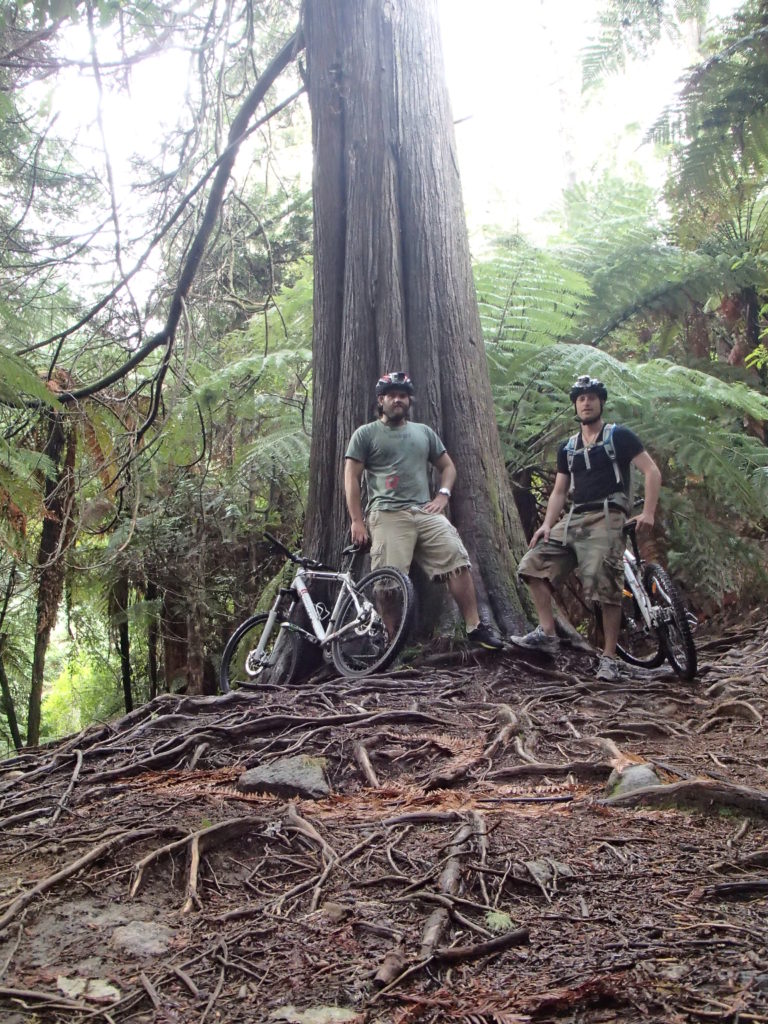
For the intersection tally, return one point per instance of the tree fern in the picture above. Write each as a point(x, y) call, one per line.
point(19, 384)
point(630, 29)
point(526, 294)
point(720, 118)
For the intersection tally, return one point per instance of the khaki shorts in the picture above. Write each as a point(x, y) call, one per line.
point(594, 549)
point(402, 536)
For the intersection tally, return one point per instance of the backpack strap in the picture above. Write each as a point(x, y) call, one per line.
point(610, 450)
point(570, 452)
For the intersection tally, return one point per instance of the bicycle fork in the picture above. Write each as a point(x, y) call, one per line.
point(638, 591)
point(653, 614)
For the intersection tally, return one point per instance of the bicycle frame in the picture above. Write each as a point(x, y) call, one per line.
point(322, 636)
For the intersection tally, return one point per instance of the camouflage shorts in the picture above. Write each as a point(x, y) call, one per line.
point(593, 548)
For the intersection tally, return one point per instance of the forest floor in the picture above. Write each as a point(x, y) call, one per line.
point(467, 865)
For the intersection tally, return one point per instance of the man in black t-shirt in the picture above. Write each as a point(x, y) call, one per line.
point(593, 468)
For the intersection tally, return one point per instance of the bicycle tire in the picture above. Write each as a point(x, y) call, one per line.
point(370, 646)
point(281, 658)
point(638, 644)
point(677, 640)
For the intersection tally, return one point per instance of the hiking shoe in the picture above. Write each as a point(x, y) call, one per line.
point(607, 669)
point(485, 636)
point(538, 640)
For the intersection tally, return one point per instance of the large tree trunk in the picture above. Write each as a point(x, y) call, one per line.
point(152, 639)
point(393, 280)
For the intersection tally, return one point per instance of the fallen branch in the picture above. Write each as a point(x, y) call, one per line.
point(364, 761)
point(50, 998)
point(330, 857)
point(458, 954)
point(747, 887)
point(587, 769)
point(70, 787)
point(450, 878)
point(509, 726)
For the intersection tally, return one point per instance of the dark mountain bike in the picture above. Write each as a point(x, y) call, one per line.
point(654, 621)
point(362, 633)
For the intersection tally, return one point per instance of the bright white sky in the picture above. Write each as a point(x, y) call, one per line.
point(523, 129)
point(513, 70)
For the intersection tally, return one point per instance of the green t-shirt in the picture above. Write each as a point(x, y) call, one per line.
point(396, 461)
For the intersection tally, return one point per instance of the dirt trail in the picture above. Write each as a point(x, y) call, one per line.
point(466, 865)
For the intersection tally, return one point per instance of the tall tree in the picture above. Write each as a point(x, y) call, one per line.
point(393, 281)
point(54, 538)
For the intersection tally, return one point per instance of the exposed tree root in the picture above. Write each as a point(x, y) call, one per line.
point(198, 842)
point(702, 793)
point(102, 850)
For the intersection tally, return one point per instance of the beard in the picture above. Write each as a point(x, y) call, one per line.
point(395, 414)
point(588, 421)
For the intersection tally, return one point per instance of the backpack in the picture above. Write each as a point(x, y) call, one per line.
point(620, 497)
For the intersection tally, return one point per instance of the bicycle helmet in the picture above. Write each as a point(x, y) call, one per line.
point(585, 384)
point(397, 381)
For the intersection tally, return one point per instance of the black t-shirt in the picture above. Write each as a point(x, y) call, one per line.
point(599, 482)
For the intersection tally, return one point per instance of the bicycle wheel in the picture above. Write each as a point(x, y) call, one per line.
point(379, 629)
point(638, 644)
point(278, 664)
point(677, 640)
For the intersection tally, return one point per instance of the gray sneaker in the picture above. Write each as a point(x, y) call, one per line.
point(538, 640)
point(608, 669)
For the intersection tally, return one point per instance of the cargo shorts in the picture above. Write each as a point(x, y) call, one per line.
point(592, 545)
point(402, 536)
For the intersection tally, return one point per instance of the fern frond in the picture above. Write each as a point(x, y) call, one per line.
point(629, 29)
point(19, 384)
point(525, 294)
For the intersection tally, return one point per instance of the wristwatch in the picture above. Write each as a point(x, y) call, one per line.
point(445, 491)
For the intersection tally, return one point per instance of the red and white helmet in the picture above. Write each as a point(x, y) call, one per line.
point(396, 381)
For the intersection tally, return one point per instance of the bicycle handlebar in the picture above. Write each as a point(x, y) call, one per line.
point(280, 546)
point(297, 558)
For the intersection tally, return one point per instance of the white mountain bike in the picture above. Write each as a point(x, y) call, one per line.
point(362, 633)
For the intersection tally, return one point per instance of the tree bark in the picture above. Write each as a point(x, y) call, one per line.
point(54, 537)
point(120, 611)
point(393, 279)
point(152, 638)
point(7, 706)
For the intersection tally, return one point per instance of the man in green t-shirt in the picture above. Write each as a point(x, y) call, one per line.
point(403, 522)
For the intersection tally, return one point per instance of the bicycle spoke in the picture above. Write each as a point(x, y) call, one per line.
point(241, 666)
point(675, 630)
point(373, 623)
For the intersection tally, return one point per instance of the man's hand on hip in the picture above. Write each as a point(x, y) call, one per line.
point(541, 534)
point(438, 504)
